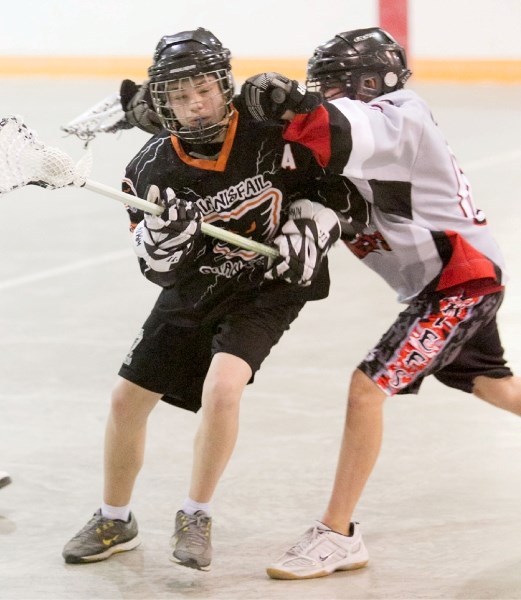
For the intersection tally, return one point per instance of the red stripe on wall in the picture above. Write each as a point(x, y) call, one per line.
point(392, 15)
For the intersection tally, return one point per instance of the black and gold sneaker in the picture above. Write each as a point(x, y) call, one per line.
point(100, 538)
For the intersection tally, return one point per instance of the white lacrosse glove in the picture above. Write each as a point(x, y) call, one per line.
point(164, 241)
point(303, 243)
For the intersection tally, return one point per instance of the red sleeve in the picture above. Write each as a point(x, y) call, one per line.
point(312, 131)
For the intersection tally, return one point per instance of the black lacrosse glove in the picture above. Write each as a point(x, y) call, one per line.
point(269, 95)
point(137, 105)
point(166, 240)
point(304, 242)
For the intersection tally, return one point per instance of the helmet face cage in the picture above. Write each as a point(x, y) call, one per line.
point(361, 64)
point(192, 68)
point(174, 105)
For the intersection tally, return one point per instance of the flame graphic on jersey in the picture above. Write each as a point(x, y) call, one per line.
point(257, 218)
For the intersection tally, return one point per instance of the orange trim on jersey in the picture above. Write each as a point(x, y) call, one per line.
point(206, 163)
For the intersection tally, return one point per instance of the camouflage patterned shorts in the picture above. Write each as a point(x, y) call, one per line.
point(454, 338)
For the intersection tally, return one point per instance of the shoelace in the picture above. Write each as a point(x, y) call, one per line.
point(85, 532)
point(302, 544)
point(195, 528)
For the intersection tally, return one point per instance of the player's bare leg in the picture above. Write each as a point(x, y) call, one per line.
point(504, 393)
point(361, 442)
point(217, 433)
point(363, 433)
point(213, 446)
point(125, 438)
point(335, 543)
point(124, 450)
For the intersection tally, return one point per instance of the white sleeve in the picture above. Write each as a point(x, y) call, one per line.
point(385, 135)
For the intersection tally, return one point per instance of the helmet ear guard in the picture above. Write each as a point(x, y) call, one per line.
point(360, 64)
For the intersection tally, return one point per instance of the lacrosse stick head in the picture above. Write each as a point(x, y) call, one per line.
point(25, 160)
point(106, 116)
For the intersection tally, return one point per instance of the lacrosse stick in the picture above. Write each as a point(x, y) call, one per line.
point(25, 160)
point(106, 116)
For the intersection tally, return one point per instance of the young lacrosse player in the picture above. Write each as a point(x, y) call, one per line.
point(221, 309)
point(424, 236)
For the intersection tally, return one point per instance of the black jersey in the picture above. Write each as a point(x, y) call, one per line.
point(246, 189)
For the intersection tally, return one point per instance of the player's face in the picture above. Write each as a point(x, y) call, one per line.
point(197, 101)
point(332, 91)
point(336, 89)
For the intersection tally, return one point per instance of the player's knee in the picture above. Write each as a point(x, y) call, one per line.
point(130, 404)
point(504, 392)
point(119, 409)
point(221, 394)
point(364, 393)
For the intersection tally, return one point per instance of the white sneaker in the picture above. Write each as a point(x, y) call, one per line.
point(320, 552)
point(4, 479)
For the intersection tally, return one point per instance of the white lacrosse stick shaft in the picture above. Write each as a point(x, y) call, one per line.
point(207, 228)
point(24, 159)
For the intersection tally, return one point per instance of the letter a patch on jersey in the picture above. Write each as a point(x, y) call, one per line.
point(288, 162)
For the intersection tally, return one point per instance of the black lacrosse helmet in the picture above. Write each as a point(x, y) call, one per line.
point(184, 55)
point(364, 63)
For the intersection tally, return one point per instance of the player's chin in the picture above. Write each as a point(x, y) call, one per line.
point(201, 122)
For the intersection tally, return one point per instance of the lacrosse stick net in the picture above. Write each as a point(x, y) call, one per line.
point(106, 116)
point(25, 160)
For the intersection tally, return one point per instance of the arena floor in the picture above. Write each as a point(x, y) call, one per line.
point(441, 515)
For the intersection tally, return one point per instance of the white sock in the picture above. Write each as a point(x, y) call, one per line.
point(190, 507)
point(115, 512)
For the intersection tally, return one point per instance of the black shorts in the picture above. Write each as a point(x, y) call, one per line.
point(173, 360)
point(453, 338)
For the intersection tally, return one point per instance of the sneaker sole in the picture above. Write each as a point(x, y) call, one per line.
point(279, 574)
point(125, 547)
point(191, 563)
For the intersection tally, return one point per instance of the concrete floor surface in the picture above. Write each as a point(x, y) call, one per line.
point(441, 514)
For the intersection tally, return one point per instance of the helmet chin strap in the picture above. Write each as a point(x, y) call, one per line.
point(197, 125)
point(200, 135)
point(217, 136)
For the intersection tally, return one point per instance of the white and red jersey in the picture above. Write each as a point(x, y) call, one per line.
point(424, 232)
